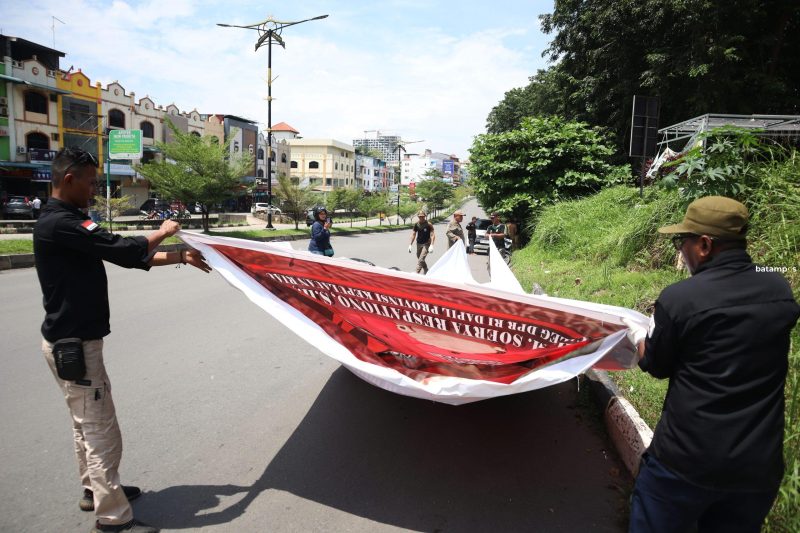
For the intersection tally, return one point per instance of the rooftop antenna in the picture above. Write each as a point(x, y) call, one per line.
point(53, 28)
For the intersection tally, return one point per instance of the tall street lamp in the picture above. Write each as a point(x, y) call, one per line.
point(269, 30)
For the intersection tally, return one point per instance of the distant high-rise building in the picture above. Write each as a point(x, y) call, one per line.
point(385, 144)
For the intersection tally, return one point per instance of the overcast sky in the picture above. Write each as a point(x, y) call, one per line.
point(422, 69)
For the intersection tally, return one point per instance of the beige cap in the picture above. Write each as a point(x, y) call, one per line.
point(421, 214)
point(459, 212)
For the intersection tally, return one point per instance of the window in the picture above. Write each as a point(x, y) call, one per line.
point(313, 164)
point(272, 156)
point(116, 118)
point(261, 154)
point(293, 164)
point(336, 166)
point(260, 173)
point(195, 134)
point(147, 130)
point(35, 102)
point(283, 158)
point(37, 140)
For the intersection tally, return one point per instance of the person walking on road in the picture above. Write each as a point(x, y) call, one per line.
point(472, 234)
point(454, 229)
point(320, 242)
point(69, 250)
point(721, 337)
point(36, 207)
point(422, 233)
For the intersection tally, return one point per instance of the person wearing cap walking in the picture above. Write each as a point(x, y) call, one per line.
point(721, 337)
point(422, 233)
point(454, 229)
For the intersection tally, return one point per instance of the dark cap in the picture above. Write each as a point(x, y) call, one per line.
point(715, 216)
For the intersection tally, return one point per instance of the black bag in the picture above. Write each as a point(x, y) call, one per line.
point(68, 355)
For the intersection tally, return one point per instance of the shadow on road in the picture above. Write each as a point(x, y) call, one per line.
point(521, 463)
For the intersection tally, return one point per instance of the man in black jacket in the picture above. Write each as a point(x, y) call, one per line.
point(70, 249)
point(722, 338)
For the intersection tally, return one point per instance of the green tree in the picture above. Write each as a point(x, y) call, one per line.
point(699, 56)
point(295, 198)
point(542, 96)
point(546, 160)
point(407, 210)
point(351, 202)
point(112, 208)
point(434, 192)
point(196, 169)
point(370, 205)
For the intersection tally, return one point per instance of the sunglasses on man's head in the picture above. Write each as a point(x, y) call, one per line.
point(80, 158)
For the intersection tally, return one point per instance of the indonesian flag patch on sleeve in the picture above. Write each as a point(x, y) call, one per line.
point(89, 226)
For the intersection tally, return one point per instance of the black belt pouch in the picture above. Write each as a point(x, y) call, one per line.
point(68, 355)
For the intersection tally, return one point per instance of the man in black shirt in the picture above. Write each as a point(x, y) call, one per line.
point(472, 234)
point(722, 338)
point(422, 232)
point(70, 249)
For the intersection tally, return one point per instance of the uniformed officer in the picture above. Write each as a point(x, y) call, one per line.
point(422, 233)
point(69, 250)
point(454, 229)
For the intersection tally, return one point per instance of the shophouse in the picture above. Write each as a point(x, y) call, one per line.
point(29, 116)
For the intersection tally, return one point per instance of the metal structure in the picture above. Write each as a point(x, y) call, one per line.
point(269, 30)
point(769, 125)
point(401, 145)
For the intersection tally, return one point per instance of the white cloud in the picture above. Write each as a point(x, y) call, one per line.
point(420, 82)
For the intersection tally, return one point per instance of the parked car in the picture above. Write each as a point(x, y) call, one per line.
point(481, 240)
point(17, 207)
point(260, 207)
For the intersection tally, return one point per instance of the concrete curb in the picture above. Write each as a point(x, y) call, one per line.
point(629, 433)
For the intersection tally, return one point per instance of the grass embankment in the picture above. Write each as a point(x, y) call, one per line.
point(606, 249)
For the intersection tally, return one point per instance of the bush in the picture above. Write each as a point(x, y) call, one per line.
point(546, 160)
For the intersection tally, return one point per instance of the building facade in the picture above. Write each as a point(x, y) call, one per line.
point(385, 144)
point(323, 164)
point(29, 116)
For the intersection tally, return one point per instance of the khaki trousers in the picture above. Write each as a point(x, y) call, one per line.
point(98, 441)
point(422, 254)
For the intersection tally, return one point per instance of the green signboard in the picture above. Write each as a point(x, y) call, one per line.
point(125, 144)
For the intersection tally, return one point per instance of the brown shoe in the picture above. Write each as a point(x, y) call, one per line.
point(87, 502)
point(133, 526)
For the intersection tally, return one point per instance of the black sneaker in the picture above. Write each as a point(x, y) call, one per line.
point(87, 502)
point(133, 526)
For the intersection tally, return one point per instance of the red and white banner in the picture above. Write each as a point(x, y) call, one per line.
point(424, 336)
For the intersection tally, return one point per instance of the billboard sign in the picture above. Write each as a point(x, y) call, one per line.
point(125, 144)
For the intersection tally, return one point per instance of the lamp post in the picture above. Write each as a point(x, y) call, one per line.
point(401, 145)
point(269, 30)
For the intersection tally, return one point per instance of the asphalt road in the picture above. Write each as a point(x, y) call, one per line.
point(232, 423)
